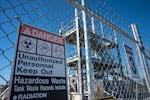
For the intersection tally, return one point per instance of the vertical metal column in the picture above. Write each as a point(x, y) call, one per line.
point(136, 90)
point(78, 53)
point(102, 31)
point(87, 55)
point(93, 26)
point(140, 49)
point(115, 37)
point(93, 30)
point(68, 82)
point(118, 52)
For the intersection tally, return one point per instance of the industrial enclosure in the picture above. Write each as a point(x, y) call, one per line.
point(103, 58)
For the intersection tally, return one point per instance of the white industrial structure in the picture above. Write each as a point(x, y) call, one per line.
point(93, 72)
point(98, 52)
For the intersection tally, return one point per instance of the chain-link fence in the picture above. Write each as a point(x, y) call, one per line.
point(44, 14)
point(115, 67)
point(108, 55)
point(147, 52)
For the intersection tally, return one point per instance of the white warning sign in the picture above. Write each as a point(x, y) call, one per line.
point(131, 61)
point(39, 71)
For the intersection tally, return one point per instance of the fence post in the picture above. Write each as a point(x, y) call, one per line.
point(93, 26)
point(78, 53)
point(89, 66)
point(141, 53)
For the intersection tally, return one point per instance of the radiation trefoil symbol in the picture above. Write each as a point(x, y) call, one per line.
point(27, 44)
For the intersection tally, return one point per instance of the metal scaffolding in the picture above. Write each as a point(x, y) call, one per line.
point(95, 39)
point(86, 66)
point(94, 72)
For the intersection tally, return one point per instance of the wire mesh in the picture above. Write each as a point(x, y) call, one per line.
point(112, 73)
point(45, 14)
point(112, 70)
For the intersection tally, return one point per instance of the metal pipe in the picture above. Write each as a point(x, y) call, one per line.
point(89, 68)
point(102, 31)
point(142, 56)
point(93, 26)
point(78, 53)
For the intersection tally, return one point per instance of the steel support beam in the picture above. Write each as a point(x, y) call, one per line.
point(78, 54)
point(142, 56)
point(89, 69)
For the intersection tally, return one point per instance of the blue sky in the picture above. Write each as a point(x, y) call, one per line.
point(133, 11)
